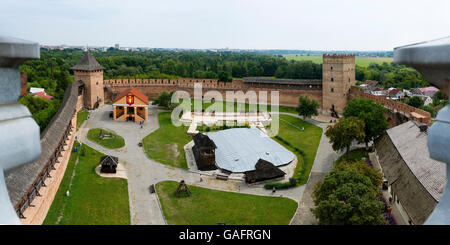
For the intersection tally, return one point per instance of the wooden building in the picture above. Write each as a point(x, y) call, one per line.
point(204, 152)
point(130, 105)
point(109, 164)
point(415, 181)
point(264, 170)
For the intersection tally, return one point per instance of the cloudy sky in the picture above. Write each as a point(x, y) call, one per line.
point(244, 24)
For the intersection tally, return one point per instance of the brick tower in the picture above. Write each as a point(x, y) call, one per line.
point(90, 72)
point(338, 75)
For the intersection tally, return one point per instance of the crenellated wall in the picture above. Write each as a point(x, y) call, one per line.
point(394, 106)
point(153, 87)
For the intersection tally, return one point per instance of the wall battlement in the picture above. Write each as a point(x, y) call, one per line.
point(182, 82)
point(394, 106)
point(338, 58)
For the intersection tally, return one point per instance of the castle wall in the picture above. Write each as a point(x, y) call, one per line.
point(338, 75)
point(93, 83)
point(394, 106)
point(153, 87)
point(35, 214)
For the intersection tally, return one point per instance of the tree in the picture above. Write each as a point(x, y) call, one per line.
point(415, 101)
point(371, 113)
point(164, 99)
point(307, 107)
point(437, 98)
point(429, 109)
point(225, 76)
point(344, 132)
point(347, 197)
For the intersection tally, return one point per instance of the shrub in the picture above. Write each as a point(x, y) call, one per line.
point(293, 181)
point(279, 185)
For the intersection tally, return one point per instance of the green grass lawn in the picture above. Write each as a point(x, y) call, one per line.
point(233, 107)
point(360, 61)
point(307, 140)
point(165, 145)
point(354, 155)
point(116, 141)
point(93, 200)
point(81, 117)
point(209, 207)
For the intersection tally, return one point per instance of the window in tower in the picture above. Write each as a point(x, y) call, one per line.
point(332, 79)
point(332, 90)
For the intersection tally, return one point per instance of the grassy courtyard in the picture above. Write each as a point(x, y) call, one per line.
point(109, 139)
point(165, 145)
point(307, 141)
point(81, 117)
point(93, 200)
point(209, 207)
point(353, 156)
point(233, 107)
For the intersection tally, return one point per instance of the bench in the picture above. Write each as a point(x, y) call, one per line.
point(222, 177)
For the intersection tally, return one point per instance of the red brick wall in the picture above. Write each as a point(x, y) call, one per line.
point(153, 87)
point(394, 105)
point(23, 83)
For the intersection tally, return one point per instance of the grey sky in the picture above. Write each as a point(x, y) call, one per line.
point(252, 24)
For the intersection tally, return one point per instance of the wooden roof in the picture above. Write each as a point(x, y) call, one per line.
point(203, 141)
point(20, 179)
point(417, 180)
point(134, 92)
point(109, 161)
point(282, 81)
point(87, 63)
point(264, 170)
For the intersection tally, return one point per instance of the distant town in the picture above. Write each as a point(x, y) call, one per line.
point(226, 49)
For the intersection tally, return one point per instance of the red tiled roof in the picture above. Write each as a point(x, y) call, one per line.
point(134, 92)
point(434, 89)
point(394, 91)
point(44, 95)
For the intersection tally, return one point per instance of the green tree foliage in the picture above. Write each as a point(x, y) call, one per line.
point(307, 107)
point(41, 109)
point(371, 113)
point(347, 196)
point(344, 132)
point(415, 101)
point(437, 98)
point(51, 72)
point(429, 109)
point(391, 75)
point(223, 66)
point(164, 99)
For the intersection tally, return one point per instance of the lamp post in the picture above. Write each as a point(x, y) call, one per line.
point(432, 59)
point(19, 133)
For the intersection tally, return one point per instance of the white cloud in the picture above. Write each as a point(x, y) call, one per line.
point(259, 24)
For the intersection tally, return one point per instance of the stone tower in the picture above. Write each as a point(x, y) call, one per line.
point(90, 72)
point(338, 75)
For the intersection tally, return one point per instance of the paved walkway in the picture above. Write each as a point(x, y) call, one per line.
point(143, 172)
point(323, 163)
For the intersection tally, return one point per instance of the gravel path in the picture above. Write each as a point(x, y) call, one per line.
point(143, 171)
point(323, 163)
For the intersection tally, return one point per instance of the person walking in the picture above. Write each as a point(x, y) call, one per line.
point(201, 178)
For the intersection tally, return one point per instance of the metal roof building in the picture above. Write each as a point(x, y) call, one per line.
point(417, 180)
point(239, 149)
